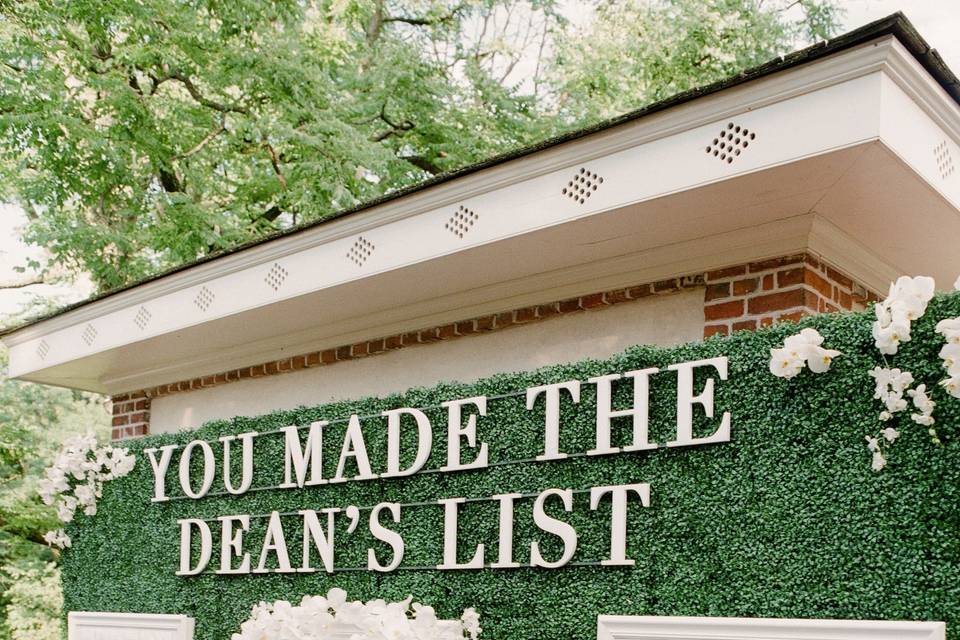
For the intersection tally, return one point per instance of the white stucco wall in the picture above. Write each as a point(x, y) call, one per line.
point(661, 320)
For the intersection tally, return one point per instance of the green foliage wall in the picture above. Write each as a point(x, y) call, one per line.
point(786, 520)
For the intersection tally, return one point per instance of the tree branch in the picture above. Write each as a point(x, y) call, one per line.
point(396, 128)
point(275, 161)
point(426, 22)
point(199, 97)
point(206, 140)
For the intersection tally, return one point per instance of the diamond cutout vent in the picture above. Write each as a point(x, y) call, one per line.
point(360, 251)
point(276, 276)
point(582, 185)
point(944, 160)
point(142, 319)
point(204, 299)
point(461, 221)
point(89, 334)
point(43, 349)
point(731, 142)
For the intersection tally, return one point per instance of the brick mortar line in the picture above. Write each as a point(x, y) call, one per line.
point(454, 330)
point(132, 410)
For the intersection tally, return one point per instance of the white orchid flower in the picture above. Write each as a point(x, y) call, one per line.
point(950, 329)
point(890, 434)
point(802, 349)
point(785, 363)
point(950, 354)
point(887, 338)
point(879, 462)
point(918, 290)
point(952, 385)
point(819, 359)
point(58, 538)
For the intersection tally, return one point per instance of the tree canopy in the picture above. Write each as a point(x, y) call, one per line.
point(143, 134)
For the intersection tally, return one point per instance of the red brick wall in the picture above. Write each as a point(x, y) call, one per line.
point(131, 415)
point(786, 288)
point(735, 298)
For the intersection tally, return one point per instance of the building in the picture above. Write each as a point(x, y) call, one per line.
point(801, 187)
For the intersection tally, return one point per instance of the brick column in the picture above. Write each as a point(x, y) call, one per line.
point(131, 415)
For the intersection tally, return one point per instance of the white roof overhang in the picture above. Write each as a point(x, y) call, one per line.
point(847, 156)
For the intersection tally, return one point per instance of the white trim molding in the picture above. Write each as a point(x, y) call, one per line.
point(96, 625)
point(704, 628)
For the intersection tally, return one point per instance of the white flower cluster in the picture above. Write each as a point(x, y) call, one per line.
point(906, 302)
point(873, 444)
point(799, 350)
point(950, 354)
point(891, 385)
point(81, 468)
point(319, 618)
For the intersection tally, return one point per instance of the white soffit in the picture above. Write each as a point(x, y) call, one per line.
point(828, 156)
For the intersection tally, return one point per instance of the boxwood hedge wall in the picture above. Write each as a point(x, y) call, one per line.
point(786, 520)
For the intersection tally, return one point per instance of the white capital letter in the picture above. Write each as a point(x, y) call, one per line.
point(618, 517)
point(456, 430)
point(312, 531)
point(274, 541)
point(424, 442)
point(450, 538)
point(563, 530)
point(231, 544)
point(206, 546)
point(246, 477)
point(686, 400)
point(353, 447)
point(640, 411)
point(383, 534)
point(209, 468)
point(296, 458)
point(160, 470)
point(551, 432)
point(505, 552)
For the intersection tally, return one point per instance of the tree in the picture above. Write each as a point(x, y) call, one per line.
point(143, 134)
point(636, 52)
point(140, 135)
point(33, 421)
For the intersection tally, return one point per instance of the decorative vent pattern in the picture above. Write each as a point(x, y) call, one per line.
point(731, 142)
point(204, 299)
point(43, 349)
point(944, 160)
point(276, 276)
point(89, 334)
point(582, 185)
point(142, 319)
point(461, 221)
point(360, 251)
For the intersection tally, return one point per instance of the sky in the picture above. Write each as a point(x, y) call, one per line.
point(938, 21)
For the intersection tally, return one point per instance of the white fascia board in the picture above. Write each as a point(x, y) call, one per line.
point(799, 113)
point(921, 125)
point(707, 628)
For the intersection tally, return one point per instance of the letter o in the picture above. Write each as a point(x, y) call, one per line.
point(208, 469)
